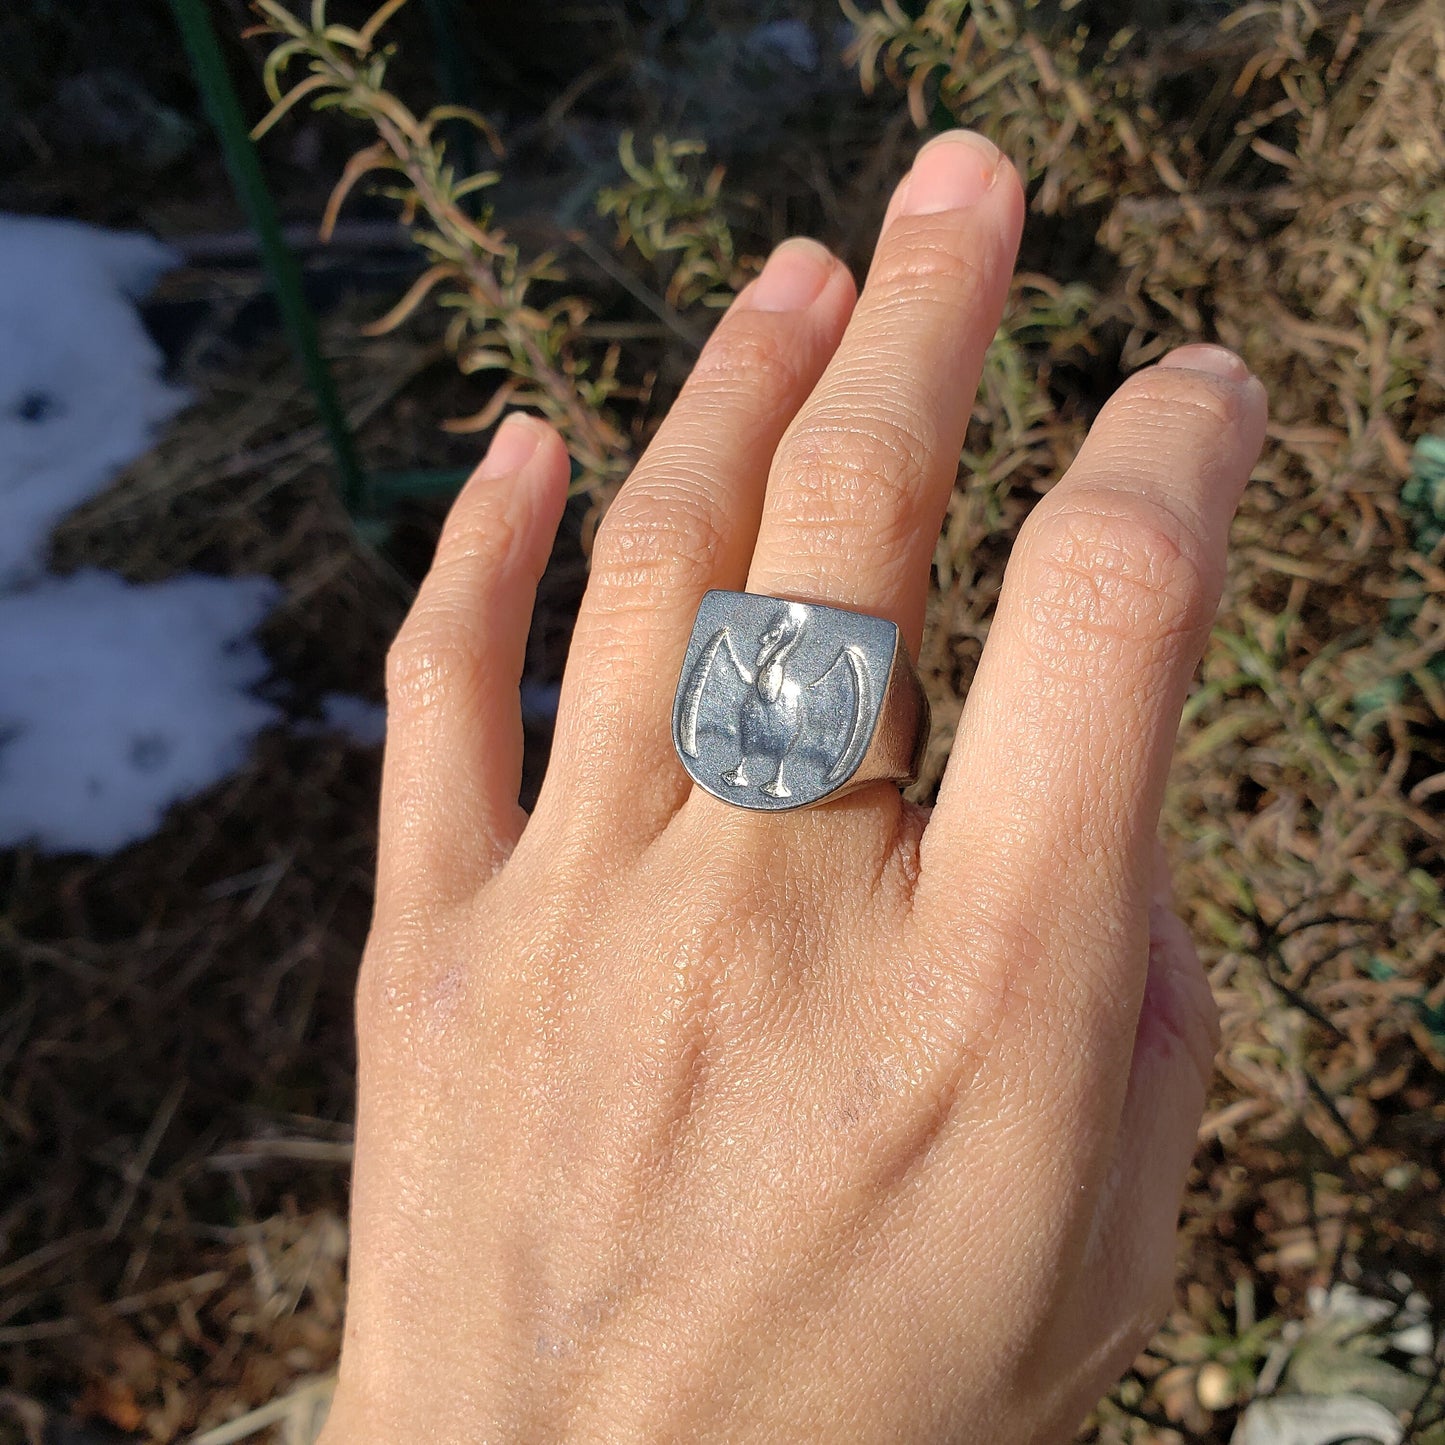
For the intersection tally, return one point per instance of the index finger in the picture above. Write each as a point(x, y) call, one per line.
point(1046, 819)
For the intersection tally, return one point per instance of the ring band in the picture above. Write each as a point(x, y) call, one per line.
point(785, 704)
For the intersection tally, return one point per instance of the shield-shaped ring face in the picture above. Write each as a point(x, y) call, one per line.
point(779, 701)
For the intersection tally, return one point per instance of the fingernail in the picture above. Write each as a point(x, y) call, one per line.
point(953, 170)
point(793, 278)
point(512, 446)
point(1216, 360)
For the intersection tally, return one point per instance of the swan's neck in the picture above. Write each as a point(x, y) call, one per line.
point(770, 667)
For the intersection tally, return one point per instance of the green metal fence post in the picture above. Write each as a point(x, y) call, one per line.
point(224, 108)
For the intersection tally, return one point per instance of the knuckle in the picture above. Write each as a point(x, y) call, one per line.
point(378, 982)
point(747, 359)
point(841, 480)
point(422, 663)
point(409, 983)
point(655, 535)
point(927, 265)
point(1119, 575)
point(477, 539)
point(440, 636)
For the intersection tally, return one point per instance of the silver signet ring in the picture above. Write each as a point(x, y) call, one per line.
point(785, 704)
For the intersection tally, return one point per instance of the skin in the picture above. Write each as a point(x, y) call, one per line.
point(865, 1123)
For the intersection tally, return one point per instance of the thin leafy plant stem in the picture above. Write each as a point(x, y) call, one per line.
point(495, 329)
point(595, 442)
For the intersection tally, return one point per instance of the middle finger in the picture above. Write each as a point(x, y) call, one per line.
point(859, 485)
point(684, 522)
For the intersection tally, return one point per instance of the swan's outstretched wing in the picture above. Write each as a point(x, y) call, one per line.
point(840, 709)
point(716, 688)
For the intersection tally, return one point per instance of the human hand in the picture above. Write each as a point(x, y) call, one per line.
point(684, 1122)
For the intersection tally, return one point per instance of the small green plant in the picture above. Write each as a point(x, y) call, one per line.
point(1055, 110)
point(1423, 497)
point(1044, 319)
point(676, 221)
point(474, 270)
point(1011, 444)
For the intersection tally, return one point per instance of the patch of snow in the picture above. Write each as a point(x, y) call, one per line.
point(362, 721)
point(80, 388)
point(117, 700)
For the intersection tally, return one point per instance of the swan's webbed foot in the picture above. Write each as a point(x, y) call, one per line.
point(738, 778)
point(777, 788)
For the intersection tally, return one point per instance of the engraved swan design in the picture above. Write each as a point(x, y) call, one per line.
point(770, 712)
point(774, 710)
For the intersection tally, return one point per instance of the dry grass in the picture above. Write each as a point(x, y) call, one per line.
point(1303, 813)
point(166, 1009)
point(175, 1033)
point(175, 1053)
